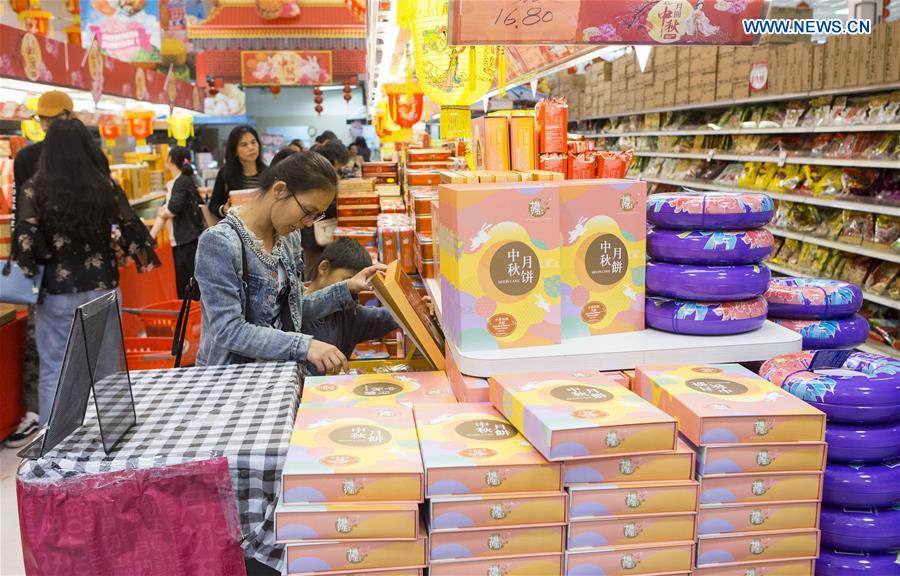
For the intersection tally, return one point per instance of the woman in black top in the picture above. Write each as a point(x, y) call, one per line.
point(181, 214)
point(241, 170)
point(71, 218)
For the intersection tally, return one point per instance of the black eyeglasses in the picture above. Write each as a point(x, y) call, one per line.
point(307, 215)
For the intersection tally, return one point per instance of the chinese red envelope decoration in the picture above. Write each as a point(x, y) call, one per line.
point(140, 125)
point(110, 130)
point(405, 103)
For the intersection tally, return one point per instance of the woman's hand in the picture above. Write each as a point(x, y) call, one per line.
point(363, 279)
point(326, 358)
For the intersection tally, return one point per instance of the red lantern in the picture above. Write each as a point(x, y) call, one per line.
point(73, 6)
point(348, 93)
point(317, 91)
point(319, 109)
point(405, 103)
point(110, 129)
point(275, 90)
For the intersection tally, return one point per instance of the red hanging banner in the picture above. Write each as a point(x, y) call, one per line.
point(642, 22)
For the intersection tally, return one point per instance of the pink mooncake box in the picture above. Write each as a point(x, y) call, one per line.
point(759, 546)
point(581, 415)
point(629, 530)
point(330, 557)
point(746, 458)
point(795, 567)
point(466, 388)
point(472, 449)
point(593, 501)
point(643, 560)
point(497, 542)
point(728, 519)
point(677, 465)
point(386, 520)
point(353, 454)
point(401, 389)
point(451, 513)
point(529, 565)
point(728, 404)
point(754, 488)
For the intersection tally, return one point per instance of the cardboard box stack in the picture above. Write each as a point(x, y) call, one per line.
point(419, 206)
point(760, 460)
point(400, 389)
point(632, 497)
point(357, 203)
point(367, 237)
point(396, 236)
point(351, 487)
point(382, 172)
point(495, 505)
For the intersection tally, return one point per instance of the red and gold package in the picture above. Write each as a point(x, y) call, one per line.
point(582, 166)
point(611, 164)
point(555, 163)
point(553, 123)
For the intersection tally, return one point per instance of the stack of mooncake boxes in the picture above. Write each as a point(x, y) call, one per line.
point(353, 477)
point(632, 496)
point(494, 504)
point(760, 457)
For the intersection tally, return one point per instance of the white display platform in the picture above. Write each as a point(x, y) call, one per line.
point(626, 350)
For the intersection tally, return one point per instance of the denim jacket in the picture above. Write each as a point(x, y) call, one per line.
point(226, 334)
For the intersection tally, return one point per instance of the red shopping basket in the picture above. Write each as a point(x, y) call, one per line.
point(159, 322)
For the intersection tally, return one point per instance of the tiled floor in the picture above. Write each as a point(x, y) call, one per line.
point(10, 545)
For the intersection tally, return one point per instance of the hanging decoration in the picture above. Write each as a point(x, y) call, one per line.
point(453, 76)
point(275, 90)
point(181, 128)
point(357, 8)
point(110, 129)
point(31, 128)
point(273, 9)
point(386, 129)
point(318, 99)
point(140, 125)
point(348, 93)
point(405, 103)
point(73, 31)
point(34, 19)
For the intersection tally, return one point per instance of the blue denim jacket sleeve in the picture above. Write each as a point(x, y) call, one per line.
point(217, 270)
point(327, 301)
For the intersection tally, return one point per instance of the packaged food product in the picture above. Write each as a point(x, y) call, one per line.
point(782, 214)
point(786, 179)
point(553, 119)
point(748, 175)
point(764, 175)
point(823, 180)
point(613, 164)
point(789, 251)
point(887, 231)
point(582, 166)
point(857, 227)
point(803, 218)
point(881, 277)
point(855, 269)
point(831, 220)
point(730, 175)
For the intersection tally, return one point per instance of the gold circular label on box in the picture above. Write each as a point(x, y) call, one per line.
point(372, 389)
point(515, 269)
point(717, 386)
point(361, 435)
point(477, 453)
point(593, 312)
point(487, 430)
point(706, 370)
point(580, 393)
point(589, 414)
point(339, 460)
point(606, 260)
point(326, 387)
point(501, 325)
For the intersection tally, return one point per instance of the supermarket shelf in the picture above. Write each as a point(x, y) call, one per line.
point(870, 297)
point(843, 246)
point(875, 348)
point(871, 207)
point(751, 131)
point(755, 100)
point(716, 155)
point(624, 351)
point(147, 198)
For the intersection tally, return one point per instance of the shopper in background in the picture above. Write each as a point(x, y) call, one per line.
point(336, 153)
point(65, 221)
point(281, 155)
point(241, 170)
point(326, 137)
point(257, 319)
point(362, 149)
point(181, 215)
point(296, 145)
point(343, 259)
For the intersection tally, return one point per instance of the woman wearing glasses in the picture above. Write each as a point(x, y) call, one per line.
point(250, 270)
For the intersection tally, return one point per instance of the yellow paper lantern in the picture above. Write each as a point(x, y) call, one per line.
point(453, 76)
point(181, 128)
point(31, 128)
point(387, 130)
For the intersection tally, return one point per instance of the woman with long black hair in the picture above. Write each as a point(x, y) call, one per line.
point(181, 215)
point(242, 168)
point(68, 216)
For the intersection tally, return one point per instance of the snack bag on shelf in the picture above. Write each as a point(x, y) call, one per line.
point(857, 227)
point(884, 147)
point(831, 221)
point(748, 176)
point(803, 218)
point(613, 164)
point(764, 175)
point(582, 166)
point(553, 118)
point(783, 214)
point(881, 277)
point(855, 270)
point(887, 231)
point(858, 181)
point(823, 180)
point(884, 108)
point(730, 175)
point(786, 179)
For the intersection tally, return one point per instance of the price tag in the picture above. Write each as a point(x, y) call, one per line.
point(513, 21)
point(709, 154)
point(782, 158)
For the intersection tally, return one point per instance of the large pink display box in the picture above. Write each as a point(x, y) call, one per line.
point(728, 404)
point(758, 546)
point(530, 565)
point(797, 567)
point(472, 449)
point(581, 415)
point(728, 519)
point(355, 556)
point(353, 454)
point(642, 560)
point(630, 530)
point(497, 542)
point(451, 513)
point(389, 521)
point(402, 389)
point(758, 458)
point(592, 501)
point(755, 488)
point(677, 465)
point(604, 229)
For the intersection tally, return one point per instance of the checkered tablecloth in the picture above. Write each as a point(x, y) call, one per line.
point(243, 412)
